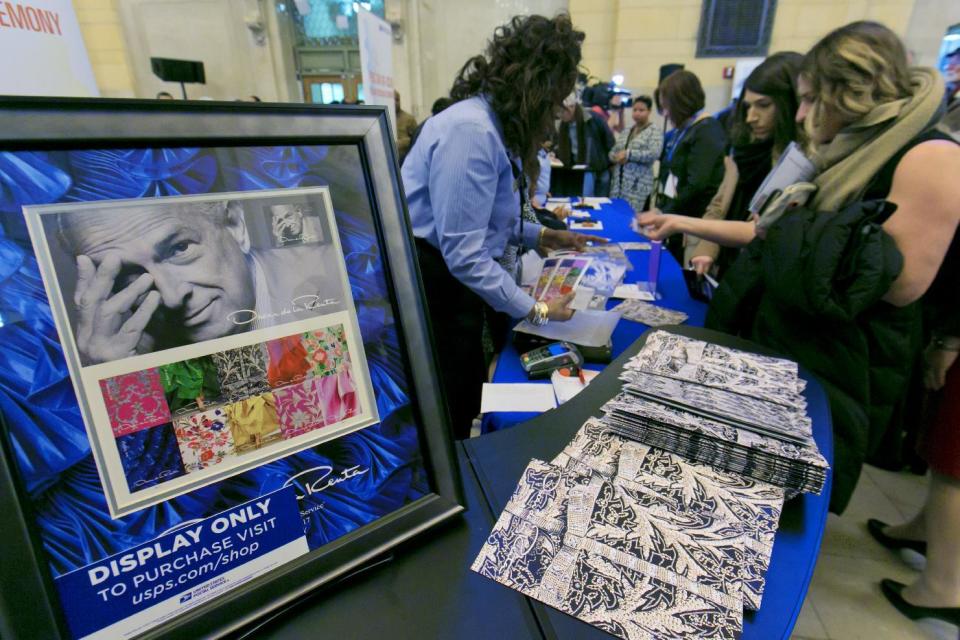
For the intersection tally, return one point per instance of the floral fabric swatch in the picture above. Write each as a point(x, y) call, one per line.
point(253, 422)
point(150, 457)
point(190, 384)
point(134, 401)
point(242, 371)
point(286, 361)
point(338, 395)
point(204, 439)
point(326, 350)
point(299, 408)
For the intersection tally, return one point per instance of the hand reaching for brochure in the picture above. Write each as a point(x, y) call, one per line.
point(658, 226)
point(701, 264)
point(556, 240)
point(562, 212)
point(106, 330)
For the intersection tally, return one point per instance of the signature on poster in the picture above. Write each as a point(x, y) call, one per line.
point(299, 305)
point(323, 480)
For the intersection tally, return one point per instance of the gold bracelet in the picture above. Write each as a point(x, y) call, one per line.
point(543, 230)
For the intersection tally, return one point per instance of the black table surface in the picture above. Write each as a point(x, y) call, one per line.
point(425, 588)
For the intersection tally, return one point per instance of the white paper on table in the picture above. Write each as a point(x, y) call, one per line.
point(531, 264)
point(579, 166)
point(558, 200)
point(578, 213)
point(566, 387)
point(517, 397)
point(585, 328)
point(592, 200)
point(632, 292)
point(581, 299)
point(594, 225)
point(635, 246)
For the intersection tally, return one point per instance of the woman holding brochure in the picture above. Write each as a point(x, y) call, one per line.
point(464, 180)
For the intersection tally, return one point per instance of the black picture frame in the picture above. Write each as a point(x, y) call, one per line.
point(29, 605)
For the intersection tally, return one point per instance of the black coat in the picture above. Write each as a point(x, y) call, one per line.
point(697, 162)
point(594, 141)
point(812, 290)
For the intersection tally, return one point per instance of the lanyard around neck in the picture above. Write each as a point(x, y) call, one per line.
point(678, 137)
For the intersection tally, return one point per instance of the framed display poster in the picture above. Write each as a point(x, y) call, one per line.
point(217, 384)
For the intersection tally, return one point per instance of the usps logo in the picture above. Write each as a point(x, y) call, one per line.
point(185, 598)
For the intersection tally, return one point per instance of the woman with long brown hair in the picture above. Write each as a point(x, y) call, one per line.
point(464, 179)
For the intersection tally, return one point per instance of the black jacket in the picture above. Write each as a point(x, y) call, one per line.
point(697, 162)
point(594, 141)
point(813, 292)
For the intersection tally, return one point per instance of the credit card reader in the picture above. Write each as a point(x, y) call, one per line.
point(542, 362)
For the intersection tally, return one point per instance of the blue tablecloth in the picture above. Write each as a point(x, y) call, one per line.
point(616, 218)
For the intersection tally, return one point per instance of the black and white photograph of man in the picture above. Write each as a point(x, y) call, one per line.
point(293, 224)
point(143, 276)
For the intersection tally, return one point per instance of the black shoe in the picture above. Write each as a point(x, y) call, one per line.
point(893, 591)
point(875, 528)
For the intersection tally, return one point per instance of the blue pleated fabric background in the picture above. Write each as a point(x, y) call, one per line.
point(38, 402)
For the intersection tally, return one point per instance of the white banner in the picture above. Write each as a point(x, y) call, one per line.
point(43, 50)
point(376, 62)
point(742, 71)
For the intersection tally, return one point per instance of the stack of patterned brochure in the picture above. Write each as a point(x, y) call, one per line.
point(636, 541)
point(731, 409)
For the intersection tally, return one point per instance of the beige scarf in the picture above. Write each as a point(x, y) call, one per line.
point(849, 162)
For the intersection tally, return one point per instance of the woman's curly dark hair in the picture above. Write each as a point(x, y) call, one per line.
point(530, 66)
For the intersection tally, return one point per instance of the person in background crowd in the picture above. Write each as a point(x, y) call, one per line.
point(691, 166)
point(763, 125)
point(406, 128)
point(633, 155)
point(584, 139)
point(465, 181)
point(951, 73)
point(727, 116)
point(163, 95)
point(615, 114)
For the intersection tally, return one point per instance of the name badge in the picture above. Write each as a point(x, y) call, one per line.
point(670, 187)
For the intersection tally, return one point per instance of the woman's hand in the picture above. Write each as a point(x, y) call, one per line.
point(701, 264)
point(557, 309)
point(562, 212)
point(620, 158)
point(558, 240)
point(937, 363)
point(657, 226)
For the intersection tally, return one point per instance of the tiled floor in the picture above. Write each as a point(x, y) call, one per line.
point(844, 601)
